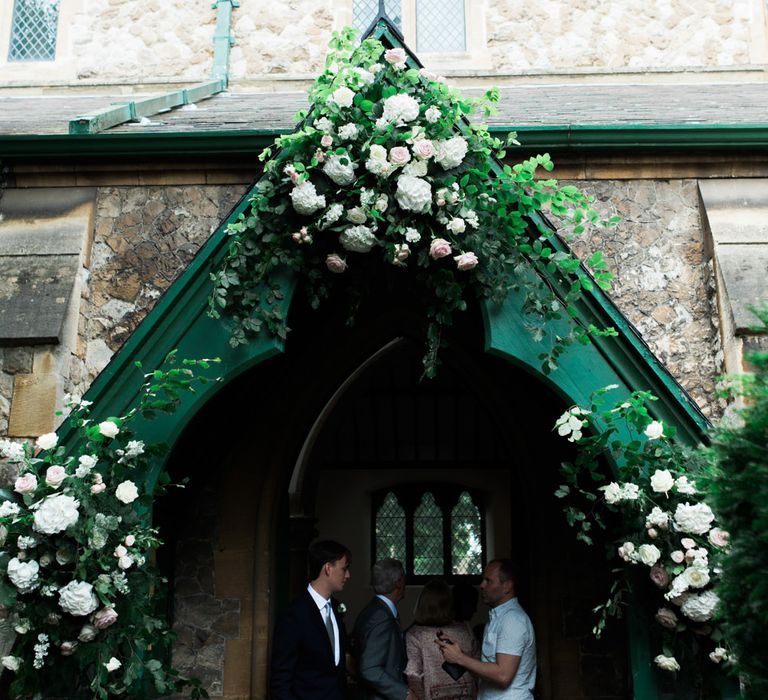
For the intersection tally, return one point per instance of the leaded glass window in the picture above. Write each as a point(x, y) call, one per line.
point(365, 11)
point(466, 534)
point(434, 529)
point(428, 538)
point(440, 26)
point(390, 530)
point(33, 32)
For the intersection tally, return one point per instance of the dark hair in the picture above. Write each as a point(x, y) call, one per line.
point(322, 553)
point(507, 569)
point(464, 601)
point(434, 607)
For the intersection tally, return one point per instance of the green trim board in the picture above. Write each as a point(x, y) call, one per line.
point(683, 138)
point(180, 321)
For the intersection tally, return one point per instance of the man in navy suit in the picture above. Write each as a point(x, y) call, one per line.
point(308, 648)
point(378, 637)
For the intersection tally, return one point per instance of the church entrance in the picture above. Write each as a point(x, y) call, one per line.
point(339, 438)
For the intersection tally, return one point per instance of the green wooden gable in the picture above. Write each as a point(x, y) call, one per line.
point(180, 322)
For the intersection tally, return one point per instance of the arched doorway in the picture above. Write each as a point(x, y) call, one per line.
point(305, 443)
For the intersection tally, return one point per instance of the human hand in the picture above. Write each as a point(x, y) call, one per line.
point(450, 649)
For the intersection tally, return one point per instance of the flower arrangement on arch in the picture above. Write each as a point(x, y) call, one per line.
point(387, 164)
point(76, 574)
point(669, 539)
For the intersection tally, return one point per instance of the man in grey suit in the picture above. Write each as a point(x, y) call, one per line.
point(378, 639)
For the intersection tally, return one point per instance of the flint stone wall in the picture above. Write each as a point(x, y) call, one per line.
point(664, 283)
point(133, 41)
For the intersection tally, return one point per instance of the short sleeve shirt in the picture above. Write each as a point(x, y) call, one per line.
point(509, 631)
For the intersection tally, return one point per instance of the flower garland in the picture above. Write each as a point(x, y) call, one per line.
point(76, 577)
point(387, 163)
point(669, 531)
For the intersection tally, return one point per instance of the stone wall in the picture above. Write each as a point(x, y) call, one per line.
point(172, 40)
point(664, 283)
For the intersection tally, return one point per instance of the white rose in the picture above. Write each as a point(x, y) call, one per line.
point(400, 108)
point(8, 508)
point(697, 576)
point(12, 663)
point(340, 169)
point(365, 76)
point(658, 517)
point(416, 168)
point(630, 492)
point(700, 607)
point(412, 235)
point(684, 486)
point(718, 655)
point(654, 430)
point(55, 514)
point(358, 239)
point(342, 96)
point(695, 519)
point(24, 574)
point(77, 598)
point(662, 481)
point(47, 441)
point(87, 633)
point(718, 537)
point(423, 148)
point(677, 556)
point(432, 114)
point(108, 429)
point(323, 124)
point(688, 543)
point(86, 463)
point(627, 552)
point(648, 554)
point(356, 215)
point(667, 663)
point(612, 492)
point(450, 153)
point(54, 476)
point(125, 562)
point(129, 540)
point(112, 665)
point(305, 199)
point(126, 492)
point(413, 193)
point(456, 225)
point(348, 132)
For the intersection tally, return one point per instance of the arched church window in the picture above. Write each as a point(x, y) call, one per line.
point(430, 26)
point(466, 537)
point(436, 530)
point(390, 529)
point(33, 30)
point(428, 538)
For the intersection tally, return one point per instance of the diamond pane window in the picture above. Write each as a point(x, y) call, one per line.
point(33, 35)
point(428, 538)
point(440, 26)
point(466, 537)
point(390, 529)
point(365, 11)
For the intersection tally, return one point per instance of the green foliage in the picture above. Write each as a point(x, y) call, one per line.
point(494, 208)
point(739, 493)
point(105, 474)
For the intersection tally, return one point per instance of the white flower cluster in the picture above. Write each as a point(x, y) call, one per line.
point(570, 425)
point(305, 199)
point(358, 239)
point(413, 193)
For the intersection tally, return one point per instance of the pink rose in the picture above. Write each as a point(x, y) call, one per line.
point(677, 556)
point(335, 263)
point(326, 141)
point(98, 488)
point(68, 648)
point(319, 156)
point(439, 248)
point(26, 483)
point(466, 261)
point(423, 149)
point(659, 576)
point(129, 540)
point(104, 618)
point(688, 543)
point(396, 57)
point(718, 537)
point(54, 476)
point(666, 618)
point(399, 155)
point(653, 533)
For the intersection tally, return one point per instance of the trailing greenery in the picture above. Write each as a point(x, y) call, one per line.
point(739, 493)
point(76, 571)
point(387, 165)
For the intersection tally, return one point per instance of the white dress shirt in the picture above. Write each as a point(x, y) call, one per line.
point(326, 609)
